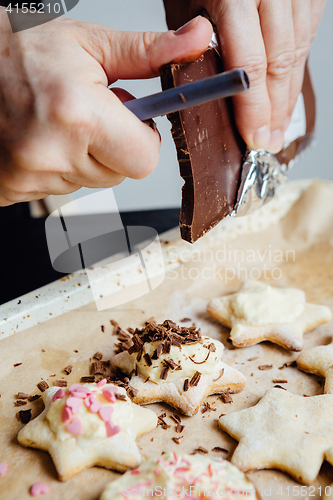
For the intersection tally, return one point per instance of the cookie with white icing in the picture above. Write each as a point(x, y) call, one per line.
point(319, 361)
point(261, 312)
point(283, 431)
point(87, 425)
point(187, 475)
point(176, 365)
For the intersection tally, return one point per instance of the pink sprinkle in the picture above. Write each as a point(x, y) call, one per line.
point(162, 461)
point(92, 403)
point(66, 414)
point(109, 393)
point(78, 394)
point(39, 489)
point(74, 404)
point(186, 462)
point(59, 395)
point(105, 413)
point(79, 387)
point(111, 430)
point(75, 427)
point(3, 468)
point(157, 472)
point(101, 382)
point(135, 471)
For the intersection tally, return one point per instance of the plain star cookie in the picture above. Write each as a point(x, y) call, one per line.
point(261, 312)
point(87, 425)
point(319, 361)
point(183, 477)
point(176, 365)
point(283, 431)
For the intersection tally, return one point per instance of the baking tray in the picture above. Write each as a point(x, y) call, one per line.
point(62, 326)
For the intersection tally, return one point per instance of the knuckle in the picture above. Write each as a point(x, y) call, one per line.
point(301, 53)
point(256, 67)
point(67, 109)
point(280, 66)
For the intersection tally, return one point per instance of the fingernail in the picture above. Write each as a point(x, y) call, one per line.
point(287, 122)
point(187, 27)
point(261, 137)
point(276, 142)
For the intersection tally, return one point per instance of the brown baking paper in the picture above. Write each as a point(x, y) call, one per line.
point(297, 252)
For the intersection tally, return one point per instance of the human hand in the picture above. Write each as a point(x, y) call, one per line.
point(60, 126)
point(270, 39)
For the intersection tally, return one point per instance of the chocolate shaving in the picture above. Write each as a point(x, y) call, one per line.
point(146, 380)
point(200, 362)
point(98, 355)
point(207, 407)
point(212, 347)
point(68, 369)
point(88, 380)
point(132, 392)
point(22, 395)
point(221, 374)
point(253, 359)
point(147, 359)
point(180, 428)
point(195, 379)
point(265, 367)
point(170, 363)
point(288, 364)
point(280, 387)
point(102, 328)
point(167, 347)
point(177, 439)
point(218, 449)
point(186, 385)
point(60, 383)
point(42, 386)
point(24, 416)
point(226, 397)
point(97, 367)
point(279, 381)
point(20, 402)
point(17, 364)
point(164, 372)
point(34, 398)
point(159, 350)
point(176, 418)
point(120, 397)
point(185, 320)
point(182, 97)
point(200, 450)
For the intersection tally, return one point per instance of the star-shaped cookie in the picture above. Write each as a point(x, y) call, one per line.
point(90, 424)
point(319, 360)
point(259, 312)
point(283, 431)
point(183, 477)
point(177, 366)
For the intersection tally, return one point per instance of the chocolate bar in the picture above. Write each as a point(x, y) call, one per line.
point(212, 156)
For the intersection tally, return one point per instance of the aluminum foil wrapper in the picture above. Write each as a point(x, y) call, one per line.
point(262, 175)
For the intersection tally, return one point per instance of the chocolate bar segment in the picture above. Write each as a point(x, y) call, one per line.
point(209, 148)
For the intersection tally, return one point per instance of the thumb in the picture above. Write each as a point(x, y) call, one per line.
point(126, 54)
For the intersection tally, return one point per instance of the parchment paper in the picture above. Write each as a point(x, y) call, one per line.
point(296, 252)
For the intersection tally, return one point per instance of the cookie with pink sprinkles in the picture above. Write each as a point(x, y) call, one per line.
point(182, 476)
point(87, 425)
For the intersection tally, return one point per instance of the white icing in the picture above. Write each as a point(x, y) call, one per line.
point(198, 352)
point(264, 305)
point(175, 472)
point(92, 423)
